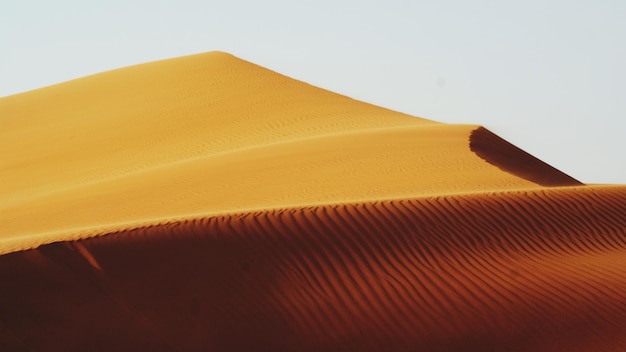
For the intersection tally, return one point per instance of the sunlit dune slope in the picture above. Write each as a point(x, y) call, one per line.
point(541, 270)
point(213, 134)
point(148, 115)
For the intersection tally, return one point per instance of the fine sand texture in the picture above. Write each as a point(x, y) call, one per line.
point(205, 203)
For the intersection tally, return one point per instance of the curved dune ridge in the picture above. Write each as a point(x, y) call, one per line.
point(509, 271)
point(510, 158)
point(206, 203)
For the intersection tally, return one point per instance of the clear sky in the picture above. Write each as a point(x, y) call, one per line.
point(549, 76)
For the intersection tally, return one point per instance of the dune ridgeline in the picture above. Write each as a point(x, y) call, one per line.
point(205, 203)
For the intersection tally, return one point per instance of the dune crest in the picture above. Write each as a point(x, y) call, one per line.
point(510, 158)
point(207, 203)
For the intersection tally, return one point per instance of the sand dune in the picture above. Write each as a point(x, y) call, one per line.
point(206, 203)
point(508, 271)
point(212, 134)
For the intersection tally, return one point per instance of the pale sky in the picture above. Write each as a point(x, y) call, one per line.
point(548, 76)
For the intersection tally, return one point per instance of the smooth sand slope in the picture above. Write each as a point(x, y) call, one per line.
point(212, 134)
point(243, 210)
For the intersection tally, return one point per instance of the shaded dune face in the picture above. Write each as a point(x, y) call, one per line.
point(536, 270)
point(510, 158)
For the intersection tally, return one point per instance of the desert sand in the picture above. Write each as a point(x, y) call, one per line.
point(205, 203)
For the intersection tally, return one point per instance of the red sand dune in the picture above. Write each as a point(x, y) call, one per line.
point(271, 215)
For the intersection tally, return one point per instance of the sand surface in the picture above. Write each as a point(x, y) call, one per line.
point(206, 203)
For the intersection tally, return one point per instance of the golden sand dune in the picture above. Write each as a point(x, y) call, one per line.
point(213, 134)
point(239, 209)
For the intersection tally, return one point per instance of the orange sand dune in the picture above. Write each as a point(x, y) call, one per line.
point(509, 271)
point(206, 203)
